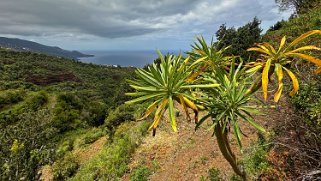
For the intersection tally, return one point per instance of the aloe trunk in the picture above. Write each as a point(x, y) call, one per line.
point(225, 148)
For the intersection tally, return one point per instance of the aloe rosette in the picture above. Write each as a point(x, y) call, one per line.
point(164, 84)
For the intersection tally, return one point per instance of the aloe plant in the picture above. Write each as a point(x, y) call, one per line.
point(163, 85)
point(227, 105)
point(275, 61)
point(207, 57)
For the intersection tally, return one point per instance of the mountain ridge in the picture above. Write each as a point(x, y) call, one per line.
point(26, 45)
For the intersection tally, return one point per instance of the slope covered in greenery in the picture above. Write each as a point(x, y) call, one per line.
point(304, 154)
point(47, 103)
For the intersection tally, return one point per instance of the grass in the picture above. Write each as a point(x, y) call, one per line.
point(78, 139)
point(112, 162)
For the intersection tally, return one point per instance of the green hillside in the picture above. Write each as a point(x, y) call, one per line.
point(308, 100)
point(47, 101)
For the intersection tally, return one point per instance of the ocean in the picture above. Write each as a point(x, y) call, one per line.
point(124, 58)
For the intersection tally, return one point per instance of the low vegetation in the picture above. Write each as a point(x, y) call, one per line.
point(301, 160)
point(46, 105)
point(112, 162)
point(140, 174)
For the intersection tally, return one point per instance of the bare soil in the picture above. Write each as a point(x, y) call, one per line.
point(188, 154)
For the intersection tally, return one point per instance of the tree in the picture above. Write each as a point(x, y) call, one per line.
point(298, 6)
point(239, 39)
point(226, 37)
point(278, 25)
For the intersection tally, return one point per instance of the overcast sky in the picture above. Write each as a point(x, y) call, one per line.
point(128, 24)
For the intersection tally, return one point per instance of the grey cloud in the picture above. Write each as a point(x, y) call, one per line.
point(101, 18)
point(126, 18)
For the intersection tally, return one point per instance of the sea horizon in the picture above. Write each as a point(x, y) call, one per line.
point(125, 58)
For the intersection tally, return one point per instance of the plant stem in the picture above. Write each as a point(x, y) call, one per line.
point(228, 145)
point(227, 152)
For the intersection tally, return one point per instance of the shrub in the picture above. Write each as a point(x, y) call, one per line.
point(255, 160)
point(140, 174)
point(11, 97)
point(122, 129)
point(121, 114)
point(65, 168)
point(25, 146)
point(38, 100)
point(96, 112)
point(308, 102)
point(64, 147)
point(65, 120)
point(93, 135)
point(70, 99)
point(308, 105)
point(214, 174)
point(6, 85)
point(67, 112)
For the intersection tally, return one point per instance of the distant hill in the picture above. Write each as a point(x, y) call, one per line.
point(25, 45)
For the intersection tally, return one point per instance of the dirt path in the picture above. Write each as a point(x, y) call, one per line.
point(187, 155)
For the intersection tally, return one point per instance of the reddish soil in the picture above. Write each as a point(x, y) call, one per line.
point(188, 155)
point(52, 78)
